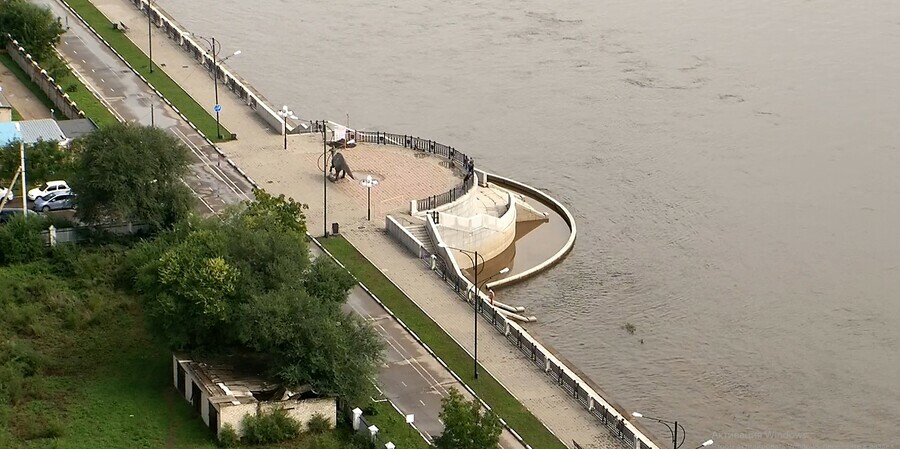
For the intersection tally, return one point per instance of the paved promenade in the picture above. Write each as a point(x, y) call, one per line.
point(212, 180)
point(410, 377)
point(296, 173)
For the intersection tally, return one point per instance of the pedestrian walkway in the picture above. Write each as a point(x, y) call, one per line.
point(20, 98)
point(297, 173)
point(561, 414)
point(212, 180)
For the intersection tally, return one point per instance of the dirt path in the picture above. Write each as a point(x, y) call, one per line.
point(20, 97)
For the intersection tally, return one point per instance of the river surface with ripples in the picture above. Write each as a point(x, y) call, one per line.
point(732, 166)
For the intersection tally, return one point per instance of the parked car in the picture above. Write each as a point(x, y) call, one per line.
point(55, 201)
point(47, 188)
point(9, 212)
point(7, 193)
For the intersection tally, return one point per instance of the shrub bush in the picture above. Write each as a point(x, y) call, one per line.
point(318, 424)
point(21, 241)
point(360, 440)
point(228, 437)
point(270, 427)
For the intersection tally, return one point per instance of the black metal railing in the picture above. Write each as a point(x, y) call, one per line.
point(530, 350)
point(455, 158)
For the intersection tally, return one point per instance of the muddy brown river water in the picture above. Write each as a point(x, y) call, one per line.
point(732, 166)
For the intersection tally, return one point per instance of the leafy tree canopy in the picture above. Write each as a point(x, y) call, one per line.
point(466, 426)
point(35, 27)
point(244, 284)
point(44, 161)
point(127, 172)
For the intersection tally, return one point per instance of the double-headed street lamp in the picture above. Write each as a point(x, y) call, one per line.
point(673, 427)
point(286, 114)
point(368, 183)
point(474, 257)
point(214, 49)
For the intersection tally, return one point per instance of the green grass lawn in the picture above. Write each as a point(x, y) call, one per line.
point(200, 116)
point(92, 107)
point(503, 403)
point(392, 424)
point(78, 367)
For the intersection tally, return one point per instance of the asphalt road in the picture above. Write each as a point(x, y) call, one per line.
point(212, 180)
point(410, 377)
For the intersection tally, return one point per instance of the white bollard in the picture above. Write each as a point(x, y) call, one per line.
point(52, 235)
point(373, 432)
point(357, 418)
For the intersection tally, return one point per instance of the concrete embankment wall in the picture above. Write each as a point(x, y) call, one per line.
point(253, 99)
point(487, 234)
point(550, 202)
point(606, 412)
point(55, 92)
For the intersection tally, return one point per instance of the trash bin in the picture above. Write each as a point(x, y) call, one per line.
point(334, 228)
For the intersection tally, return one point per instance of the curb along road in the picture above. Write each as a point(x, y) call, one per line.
point(511, 433)
point(195, 133)
point(216, 186)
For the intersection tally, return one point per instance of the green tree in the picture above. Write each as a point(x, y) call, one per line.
point(327, 281)
point(45, 160)
point(312, 342)
point(242, 283)
point(126, 172)
point(466, 426)
point(35, 27)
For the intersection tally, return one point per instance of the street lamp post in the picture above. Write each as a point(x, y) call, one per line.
point(368, 183)
point(214, 48)
point(475, 285)
point(673, 427)
point(325, 178)
point(150, 34)
point(286, 114)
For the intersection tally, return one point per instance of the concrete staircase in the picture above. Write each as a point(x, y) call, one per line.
point(420, 233)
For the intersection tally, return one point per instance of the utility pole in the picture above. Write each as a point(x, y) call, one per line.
point(22, 169)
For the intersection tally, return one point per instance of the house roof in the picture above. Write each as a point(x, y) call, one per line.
point(30, 131)
point(76, 128)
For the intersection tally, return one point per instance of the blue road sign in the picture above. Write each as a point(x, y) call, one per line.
point(217, 108)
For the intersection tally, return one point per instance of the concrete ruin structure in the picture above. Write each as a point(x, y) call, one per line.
point(224, 392)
